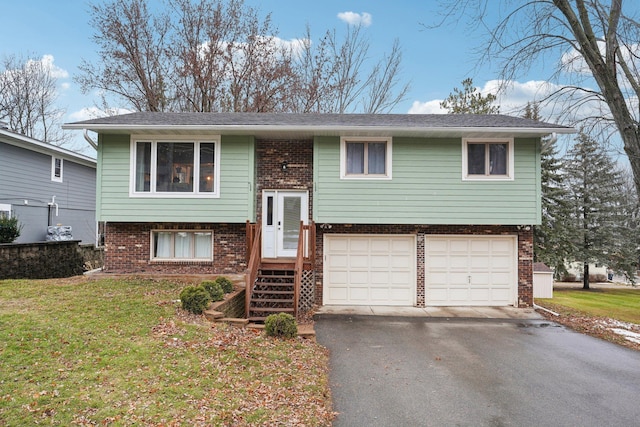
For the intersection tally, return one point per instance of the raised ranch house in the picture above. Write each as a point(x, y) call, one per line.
point(45, 185)
point(393, 210)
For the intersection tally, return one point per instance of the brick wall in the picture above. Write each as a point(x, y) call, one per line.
point(127, 249)
point(270, 176)
point(525, 251)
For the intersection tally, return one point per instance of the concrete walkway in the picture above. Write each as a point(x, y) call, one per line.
point(434, 312)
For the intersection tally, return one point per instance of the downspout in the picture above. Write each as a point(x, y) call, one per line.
point(91, 142)
point(51, 204)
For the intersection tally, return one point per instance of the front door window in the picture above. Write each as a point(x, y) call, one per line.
point(281, 216)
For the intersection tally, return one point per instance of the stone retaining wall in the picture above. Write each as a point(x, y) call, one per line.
point(44, 260)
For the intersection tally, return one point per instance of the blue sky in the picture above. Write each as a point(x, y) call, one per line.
point(435, 61)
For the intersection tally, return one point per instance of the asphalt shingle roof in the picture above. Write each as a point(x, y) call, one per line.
point(284, 120)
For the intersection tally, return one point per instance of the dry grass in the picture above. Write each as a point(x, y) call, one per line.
point(122, 352)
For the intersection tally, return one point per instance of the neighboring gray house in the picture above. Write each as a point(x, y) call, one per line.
point(43, 185)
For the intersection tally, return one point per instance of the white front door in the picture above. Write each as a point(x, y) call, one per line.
point(282, 212)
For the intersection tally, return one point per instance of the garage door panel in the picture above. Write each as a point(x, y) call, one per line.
point(337, 245)
point(358, 278)
point(337, 261)
point(398, 261)
point(380, 269)
point(339, 277)
point(479, 294)
point(358, 261)
point(457, 246)
point(358, 246)
point(379, 261)
point(380, 278)
point(470, 270)
point(380, 245)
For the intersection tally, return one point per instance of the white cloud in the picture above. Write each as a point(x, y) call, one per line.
point(47, 62)
point(427, 107)
point(95, 112)
point(352, 18)
point(515, 95)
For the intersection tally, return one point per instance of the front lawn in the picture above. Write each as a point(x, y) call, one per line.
point(619, 304)
point(122, 352)
point(611, 314)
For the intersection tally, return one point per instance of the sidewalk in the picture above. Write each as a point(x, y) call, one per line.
point(434, 312)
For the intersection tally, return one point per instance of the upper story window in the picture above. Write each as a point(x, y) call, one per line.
point(175, 168)
point(56, 169)
point(365, 158)
point(487, 159)
point(5, 210)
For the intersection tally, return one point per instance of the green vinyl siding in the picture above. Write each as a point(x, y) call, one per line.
point(426, 187)
point(236, 202)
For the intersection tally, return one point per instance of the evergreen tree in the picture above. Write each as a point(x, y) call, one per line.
point(595, 189)
point(469, 101)
point(624, 255)
point(552, 238)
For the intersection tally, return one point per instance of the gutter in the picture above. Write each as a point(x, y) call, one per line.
point(91, 142)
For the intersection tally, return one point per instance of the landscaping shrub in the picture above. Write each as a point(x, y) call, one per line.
point(225, 284)
point(10, 229)
point(195, 299)
point(214, 289)
point(281, 325)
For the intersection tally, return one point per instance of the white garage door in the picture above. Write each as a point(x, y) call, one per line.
point(471, 270)
point(369, 270)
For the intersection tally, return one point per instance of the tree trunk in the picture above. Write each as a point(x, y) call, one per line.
point(585, 276)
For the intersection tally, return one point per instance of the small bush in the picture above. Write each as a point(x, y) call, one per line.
point(195, 299)
point(214, 289)
point(10, 229)
point(225, 284)
point(281, 325)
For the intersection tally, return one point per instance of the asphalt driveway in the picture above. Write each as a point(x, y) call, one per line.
point(391, 371)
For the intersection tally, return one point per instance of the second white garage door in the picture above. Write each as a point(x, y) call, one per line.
point(369, 270)
point(471, 270)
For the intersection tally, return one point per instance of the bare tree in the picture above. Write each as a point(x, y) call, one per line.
point(216, 55)
point(591, 41)
point(132, 48)
point(28, 97)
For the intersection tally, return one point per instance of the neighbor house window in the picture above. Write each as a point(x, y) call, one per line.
point(487, 159)
point(182, 245)
point(5, 210)
point(175, 168)
point(365, 158)
point(56, 169)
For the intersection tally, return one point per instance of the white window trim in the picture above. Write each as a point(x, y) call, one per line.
point(154, 140)
point(510, 160)
point(53, 169)
point(343, 157)
point(155, 259)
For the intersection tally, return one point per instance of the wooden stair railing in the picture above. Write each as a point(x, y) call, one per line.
point(260, 274)
point(254, 248)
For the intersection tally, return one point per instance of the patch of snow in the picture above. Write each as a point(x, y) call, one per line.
point(629, 335)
